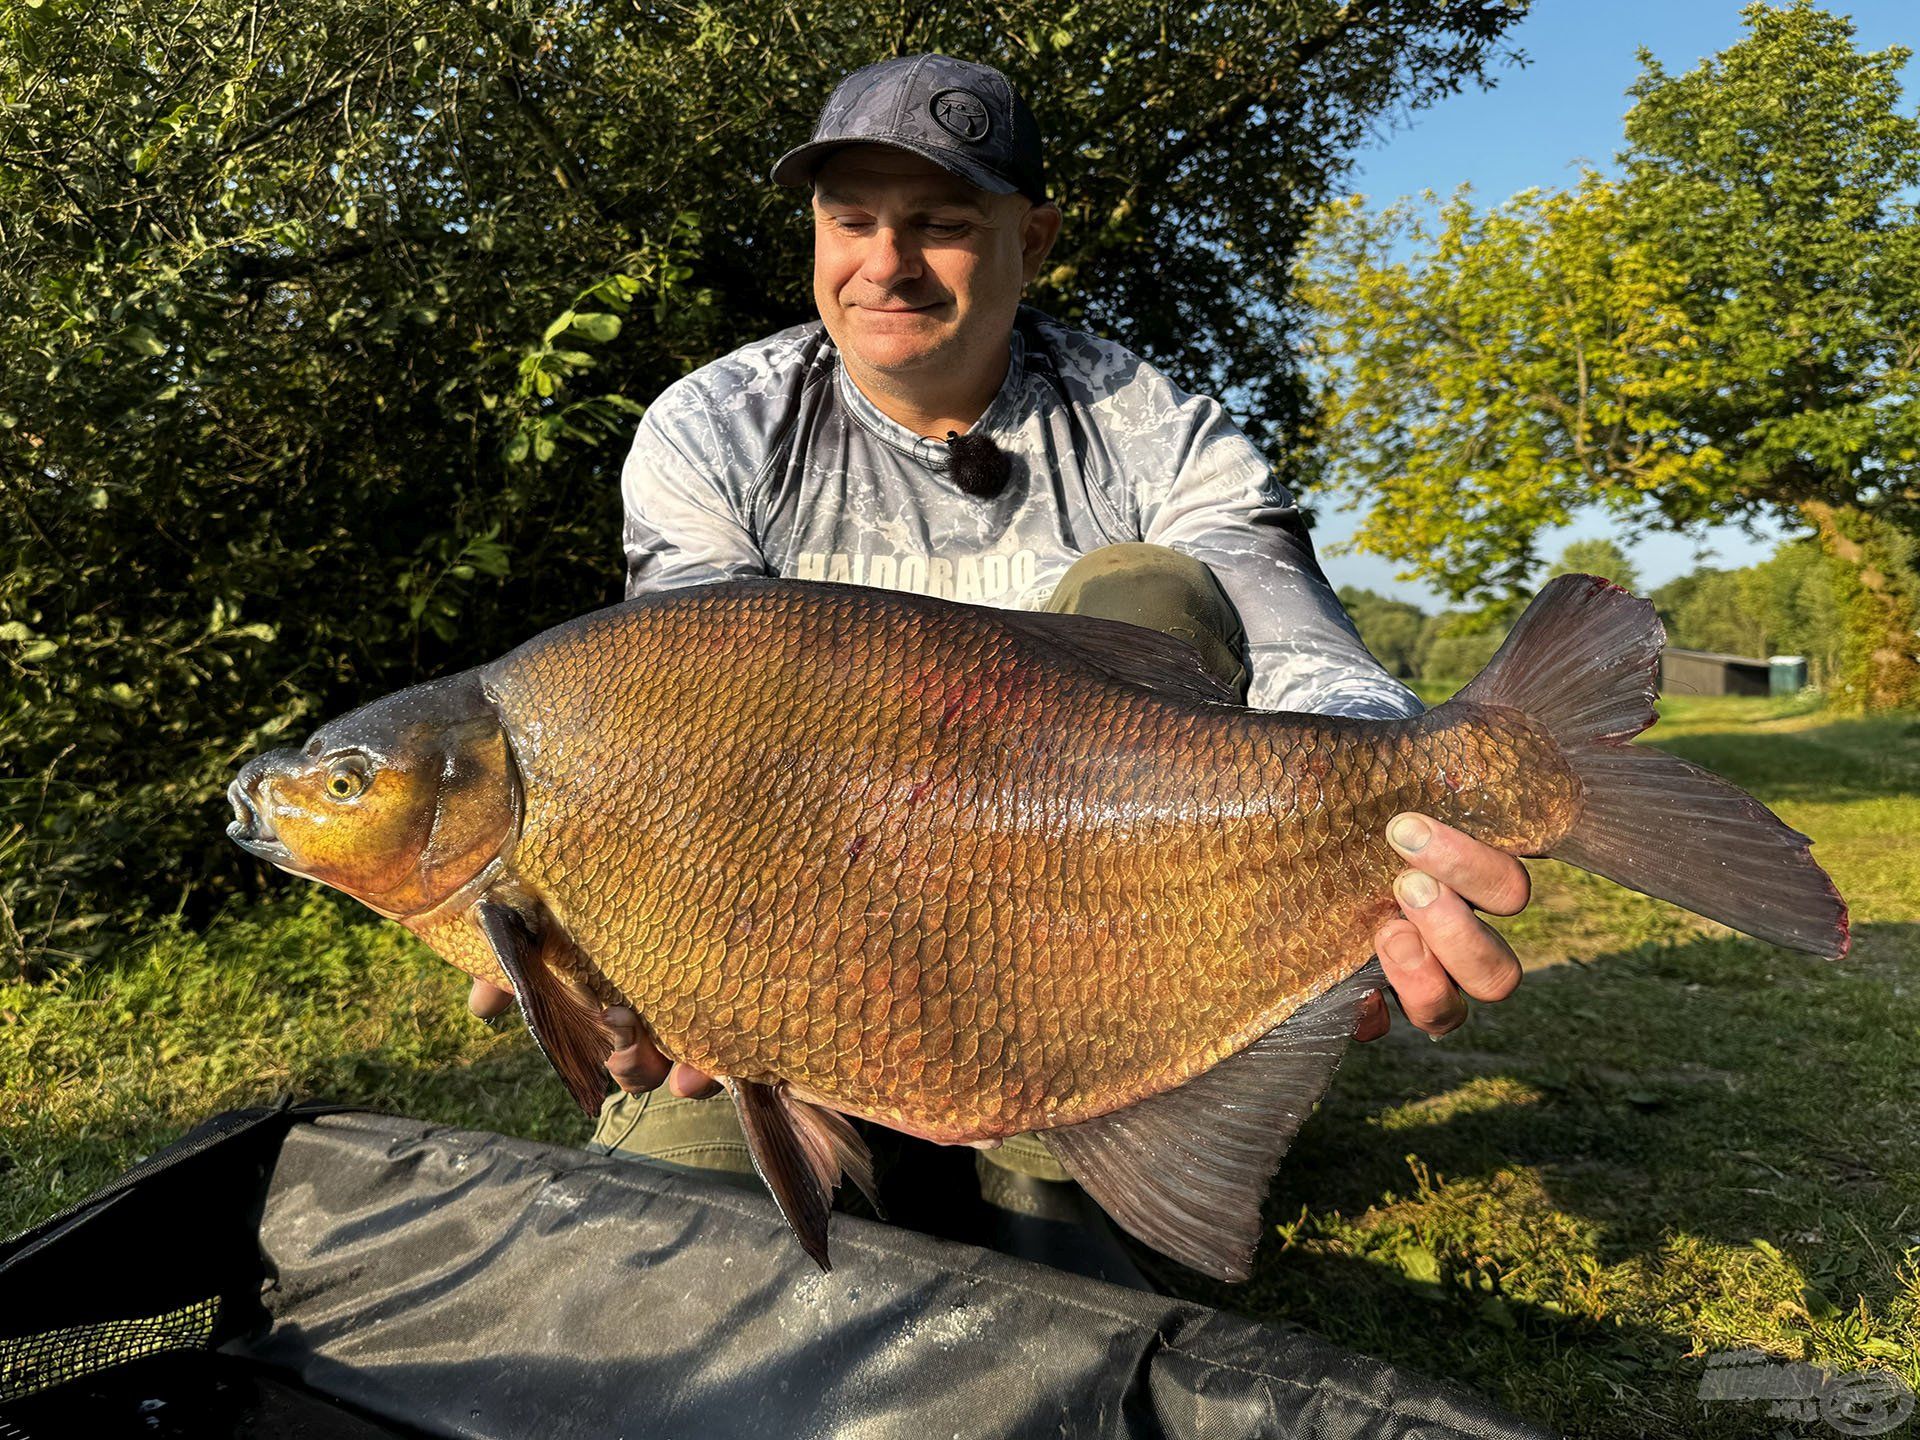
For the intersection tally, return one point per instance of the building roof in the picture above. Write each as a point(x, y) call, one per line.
point(1715, 655)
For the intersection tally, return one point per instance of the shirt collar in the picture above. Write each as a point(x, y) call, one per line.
point(929, 451)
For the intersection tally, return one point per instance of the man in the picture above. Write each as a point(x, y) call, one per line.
point(930, 433)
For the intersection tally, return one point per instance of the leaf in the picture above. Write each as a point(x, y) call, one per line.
point(15, 630)
point(566, 319)
point(142, 341)
point(1818, 1306)
point(1420, 1264)
point(597, 325)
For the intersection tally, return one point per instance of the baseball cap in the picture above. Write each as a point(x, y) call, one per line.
point(962, 116)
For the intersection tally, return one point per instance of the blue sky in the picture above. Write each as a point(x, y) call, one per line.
point(1535, 127)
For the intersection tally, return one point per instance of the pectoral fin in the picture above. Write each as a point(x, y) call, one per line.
point(565, 1026)
point(1186, 1171)
point(801, 1151)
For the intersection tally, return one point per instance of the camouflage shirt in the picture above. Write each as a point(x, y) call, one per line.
point(770, 461)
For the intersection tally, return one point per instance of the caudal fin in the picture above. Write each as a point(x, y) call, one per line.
point(1584, 662)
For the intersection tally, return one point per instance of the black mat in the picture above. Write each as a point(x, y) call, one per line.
point(457, 1283)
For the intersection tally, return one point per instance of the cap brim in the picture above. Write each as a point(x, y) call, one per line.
point(795, 169)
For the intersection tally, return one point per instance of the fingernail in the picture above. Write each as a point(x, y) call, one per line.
point(1416, 889)
point(1446, 1032)
point(1409, 833)
point(1404, 949)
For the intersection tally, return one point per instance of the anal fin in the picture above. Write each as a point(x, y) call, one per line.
point(565, 1026)
point(1186, 1171)
point(801, 1151)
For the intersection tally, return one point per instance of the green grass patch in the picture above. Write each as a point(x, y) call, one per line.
point(312, 997)
point(1671, 1142)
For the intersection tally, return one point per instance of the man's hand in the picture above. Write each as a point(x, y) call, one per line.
point(1441, 948)
point(636, 1064)
point(489, 1002)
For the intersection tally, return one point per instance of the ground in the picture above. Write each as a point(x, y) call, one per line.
point(1671, 1144)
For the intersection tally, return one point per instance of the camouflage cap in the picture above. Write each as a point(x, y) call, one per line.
point(962, 116)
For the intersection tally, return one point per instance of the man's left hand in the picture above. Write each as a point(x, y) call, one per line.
point(1441, 952)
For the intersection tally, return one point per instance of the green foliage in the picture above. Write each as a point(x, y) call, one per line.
point(309, 996)
point(1389, 628)
point(1793, 603)
point(1730, 329)
point(1598, 557)
point(1456, 645)
point(321, 324)
point(1470, 409)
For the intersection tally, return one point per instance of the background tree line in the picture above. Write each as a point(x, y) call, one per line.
point(322, 326)
point(1796, 602)
point(1728, 327)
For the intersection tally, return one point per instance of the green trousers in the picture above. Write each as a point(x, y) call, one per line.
point(1146, 585)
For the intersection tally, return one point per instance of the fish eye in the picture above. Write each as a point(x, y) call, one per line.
point(346, 777)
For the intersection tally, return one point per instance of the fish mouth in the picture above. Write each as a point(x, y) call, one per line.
point(252, 831)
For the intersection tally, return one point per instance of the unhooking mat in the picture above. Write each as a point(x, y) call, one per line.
point(329, 1274)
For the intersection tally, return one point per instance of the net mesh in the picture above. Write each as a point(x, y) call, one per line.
point(31, 1363)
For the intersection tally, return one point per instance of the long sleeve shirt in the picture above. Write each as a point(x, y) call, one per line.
point(770, 461)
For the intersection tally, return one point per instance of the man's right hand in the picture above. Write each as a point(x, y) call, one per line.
point(636, 1063)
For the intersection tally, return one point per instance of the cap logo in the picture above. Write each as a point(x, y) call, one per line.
point(960, 113)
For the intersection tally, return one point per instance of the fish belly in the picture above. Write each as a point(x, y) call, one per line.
point(940, 875)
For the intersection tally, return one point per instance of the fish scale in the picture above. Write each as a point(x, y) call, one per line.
point(858, 846)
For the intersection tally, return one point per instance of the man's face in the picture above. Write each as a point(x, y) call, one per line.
point(914, 269)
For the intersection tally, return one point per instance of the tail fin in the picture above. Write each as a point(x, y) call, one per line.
point(1584, 662)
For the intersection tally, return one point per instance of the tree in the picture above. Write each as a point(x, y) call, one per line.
point(1598, 557)
point(321, 326)
point(1490, 385)
point(1456, 645)
point(1389, 628)
point(1794, 602)
point(1731, 329)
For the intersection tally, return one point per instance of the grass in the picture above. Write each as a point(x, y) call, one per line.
point(1671, 1142)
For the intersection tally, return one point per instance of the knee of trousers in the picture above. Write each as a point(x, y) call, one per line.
point(1161, 589)
point(693, 1134)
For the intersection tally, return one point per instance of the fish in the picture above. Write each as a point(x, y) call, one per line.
point(969, 873)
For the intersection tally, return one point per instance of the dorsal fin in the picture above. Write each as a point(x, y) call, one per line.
point(1151, 659)
point(801, 1151)
point(1186, 1171)
point(565, 1026)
